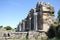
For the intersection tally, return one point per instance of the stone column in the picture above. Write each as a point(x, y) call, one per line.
point(35, 21)
point(20, 27)
point(23, 25)
point(30, 23)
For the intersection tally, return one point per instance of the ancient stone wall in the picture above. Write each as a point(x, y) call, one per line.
point(31, 35)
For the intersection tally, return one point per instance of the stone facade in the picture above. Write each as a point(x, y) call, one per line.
point(33, 35)
point(39, 18)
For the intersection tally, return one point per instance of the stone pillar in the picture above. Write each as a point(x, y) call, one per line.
point(35, 21)
point(30, 22)
point(20, 27)
point(23, 25)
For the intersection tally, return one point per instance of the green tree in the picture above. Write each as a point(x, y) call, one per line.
point(8, 28)
point(58, 31)
point(14, 28)
point(1, 26)
point(58, 27)
point(59, 16)
point(51, 32)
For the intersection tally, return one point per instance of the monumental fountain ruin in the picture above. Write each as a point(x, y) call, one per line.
point(39, 18)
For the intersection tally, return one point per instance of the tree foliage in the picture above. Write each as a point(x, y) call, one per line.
point(59, 15)
point(8, 28)
point(58, 31)
point(58, 27)
point(51, 32)
point(1, 26)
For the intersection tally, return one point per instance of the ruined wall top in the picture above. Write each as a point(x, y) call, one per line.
point(43, 3)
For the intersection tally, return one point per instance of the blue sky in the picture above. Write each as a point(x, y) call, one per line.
point(13, 11)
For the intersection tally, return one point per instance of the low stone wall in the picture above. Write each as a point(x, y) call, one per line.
point(31, 35)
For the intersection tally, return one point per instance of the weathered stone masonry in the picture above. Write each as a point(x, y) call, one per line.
point(39, 18)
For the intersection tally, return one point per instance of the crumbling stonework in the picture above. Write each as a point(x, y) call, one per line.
point(39, 18)
point(32, 35)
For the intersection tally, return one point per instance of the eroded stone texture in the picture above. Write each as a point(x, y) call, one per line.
point(39, 18)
